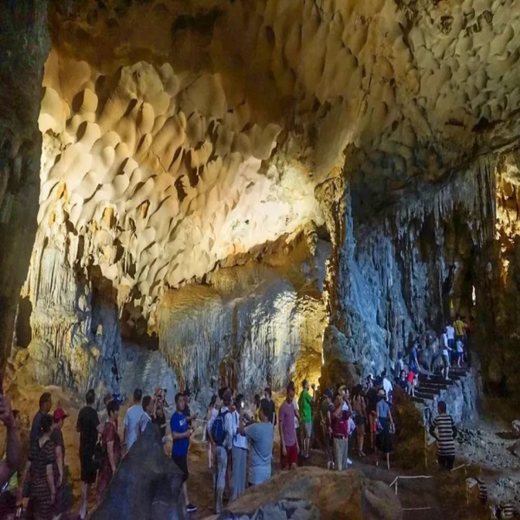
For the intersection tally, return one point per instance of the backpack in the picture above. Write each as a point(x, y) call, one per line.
point(218, 430)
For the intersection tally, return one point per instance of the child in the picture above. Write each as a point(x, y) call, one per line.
point(460, 352)
point(410, 383)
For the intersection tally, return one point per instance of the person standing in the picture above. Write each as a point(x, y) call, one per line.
point(460, 329)
point(40, 473)
point(446, 349)
point(56, 437)
point(159, 413)
point(13, 448)
point(146, 418)
point(212, 413)
point(260, 435)
point(181, 434)
point(288, 439)
point(326, 410)
point(220, 431)
point(11, 494)
point(305, 403)
point(387, 386)
point(385, 425)
point(450, 333)
point(45, 406)
point(132, 417)
point(339, 423)
point(268, 395)
point(187, 411)
point(239, 449)
point(111, 443)
point(360, 413)
point(443, 430)
point(87, 425)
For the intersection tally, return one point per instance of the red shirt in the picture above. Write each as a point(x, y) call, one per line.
point(340, 424)
point(410, 377)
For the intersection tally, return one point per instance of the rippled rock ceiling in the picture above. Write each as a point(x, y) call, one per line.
point(226, 185)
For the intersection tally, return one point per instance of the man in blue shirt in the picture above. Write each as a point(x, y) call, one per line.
point(181, 434)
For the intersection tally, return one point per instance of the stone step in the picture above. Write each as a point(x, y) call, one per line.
point(434, 387)
point(419, 392)
point(418, 400)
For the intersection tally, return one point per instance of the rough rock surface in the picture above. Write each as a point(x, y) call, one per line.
point(147, 484)
point(24, 46)
point(336, 495)
point(182, 138)
point(282, 510)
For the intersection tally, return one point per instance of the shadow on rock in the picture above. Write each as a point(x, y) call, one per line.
point(147, 485)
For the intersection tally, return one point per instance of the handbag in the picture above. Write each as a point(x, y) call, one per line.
point(392, 428)
point(98, 456)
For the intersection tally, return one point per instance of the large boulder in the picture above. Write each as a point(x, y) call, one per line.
point(147, 485)
point(347, 495)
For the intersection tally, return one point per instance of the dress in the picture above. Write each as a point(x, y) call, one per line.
point(105, 473)
point(57, 440)
point(40, 494)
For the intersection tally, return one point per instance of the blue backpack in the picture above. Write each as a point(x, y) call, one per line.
point(218, 430)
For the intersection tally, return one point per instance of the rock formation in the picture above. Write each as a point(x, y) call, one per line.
point(225, 186)
point(339, 495)
point(147, 484)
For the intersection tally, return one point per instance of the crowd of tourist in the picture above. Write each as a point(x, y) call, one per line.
point(340, 422)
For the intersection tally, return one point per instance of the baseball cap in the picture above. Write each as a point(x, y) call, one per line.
point(59, 414)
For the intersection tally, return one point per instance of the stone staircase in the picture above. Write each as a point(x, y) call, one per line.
point(459, 393)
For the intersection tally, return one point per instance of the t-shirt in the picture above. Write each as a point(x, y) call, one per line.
point(305, 403)
point(286, 415)
point(179, 424)
point(35, 429)
point(144, 421)
point(444, 425)
point(41, 457)
point(459, 327)
point(444, 340)
point(410, 376)
point(340, 424)
point(383, 409)
point(387, 386)
point(238, 440)
point(87, 424)
point(451, 332)
point(132, 417)
point(460, 347)
point(261, 437)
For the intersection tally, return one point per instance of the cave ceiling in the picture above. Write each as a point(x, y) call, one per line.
point(180, 135)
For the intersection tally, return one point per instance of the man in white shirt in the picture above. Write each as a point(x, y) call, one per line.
point(387, 386)
point(146, 417)
point(132, 417)
point(221, 447)
point(450, 332)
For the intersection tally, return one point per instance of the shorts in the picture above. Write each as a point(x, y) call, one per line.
point(446, 361)
point(359, 420)
point(88, 468)
point(308, 430)
point(291, 458)
point(182, 464)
